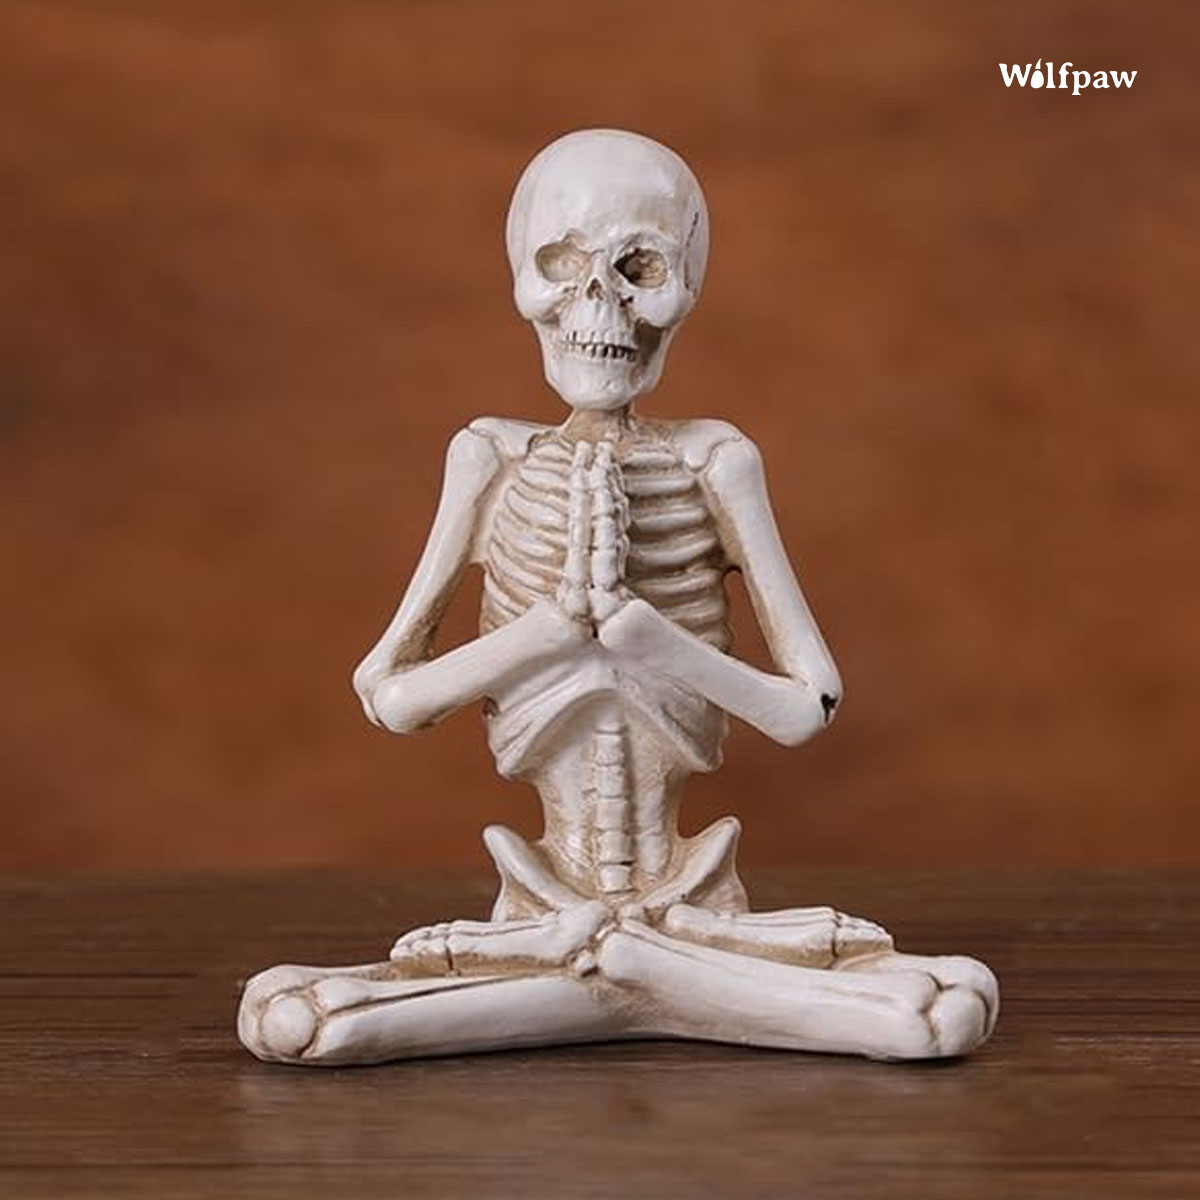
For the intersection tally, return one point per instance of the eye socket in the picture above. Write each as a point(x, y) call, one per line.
point(644, 268)
point(560, 261)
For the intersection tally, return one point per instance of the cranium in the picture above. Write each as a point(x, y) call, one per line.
point(608, 238)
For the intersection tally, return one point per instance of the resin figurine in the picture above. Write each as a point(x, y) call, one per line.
point(604, 668)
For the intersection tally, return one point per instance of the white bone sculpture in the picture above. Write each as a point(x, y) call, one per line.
point(603, 663)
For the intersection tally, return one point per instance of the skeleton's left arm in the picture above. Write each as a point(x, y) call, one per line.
point(789, 707)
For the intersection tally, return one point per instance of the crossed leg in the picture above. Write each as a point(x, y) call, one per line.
point(883, 1005)
point(366, 1015)
point(578, 976)
point(806, 937)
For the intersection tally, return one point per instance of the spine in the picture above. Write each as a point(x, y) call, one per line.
point(610, 798)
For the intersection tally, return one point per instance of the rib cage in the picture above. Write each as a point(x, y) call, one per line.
point(674, 561)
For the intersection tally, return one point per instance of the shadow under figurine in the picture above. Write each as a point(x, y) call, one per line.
point(603, 660)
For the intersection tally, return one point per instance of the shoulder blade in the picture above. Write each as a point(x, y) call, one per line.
point(510, 436)
point(698, 439)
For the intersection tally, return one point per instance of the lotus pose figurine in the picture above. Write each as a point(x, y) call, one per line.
point(603, 665)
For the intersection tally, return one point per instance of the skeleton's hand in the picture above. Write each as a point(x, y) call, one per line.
point(572, 594)
point(551, 628)
point(591, 589)
point(634, 630)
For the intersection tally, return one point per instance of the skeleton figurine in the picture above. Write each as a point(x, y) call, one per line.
point(603, 664)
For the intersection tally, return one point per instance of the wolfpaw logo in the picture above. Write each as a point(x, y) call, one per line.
point(1034, 77)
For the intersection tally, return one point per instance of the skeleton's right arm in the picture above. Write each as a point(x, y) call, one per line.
point(472, 465)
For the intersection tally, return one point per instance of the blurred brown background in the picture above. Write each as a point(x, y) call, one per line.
point(252, 279)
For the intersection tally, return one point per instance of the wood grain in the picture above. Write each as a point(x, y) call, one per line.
point(121, 1076)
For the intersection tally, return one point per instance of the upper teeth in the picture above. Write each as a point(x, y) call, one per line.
point(600, 344)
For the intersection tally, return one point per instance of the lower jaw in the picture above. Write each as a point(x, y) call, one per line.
point(595, 385)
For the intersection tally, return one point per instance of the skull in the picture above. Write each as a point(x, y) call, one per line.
point(608, 238)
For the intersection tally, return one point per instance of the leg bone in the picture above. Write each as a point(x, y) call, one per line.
point(806, 937)
point(458, 947)
point(965, 983)
point(360, 1015)
point(700, 992)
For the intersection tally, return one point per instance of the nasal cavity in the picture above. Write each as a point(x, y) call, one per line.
point(595, 290)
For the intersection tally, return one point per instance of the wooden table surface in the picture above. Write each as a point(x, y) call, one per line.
point(120, 1074)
